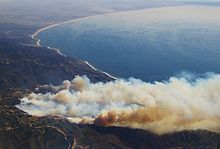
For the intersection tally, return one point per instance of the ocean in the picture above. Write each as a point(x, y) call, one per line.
point(152, 44)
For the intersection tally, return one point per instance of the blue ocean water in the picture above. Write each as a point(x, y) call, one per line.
point(150, 44)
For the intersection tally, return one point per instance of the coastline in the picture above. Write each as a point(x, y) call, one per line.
point(33, 36)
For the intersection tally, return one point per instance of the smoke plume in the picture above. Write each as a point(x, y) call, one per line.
point(159, 107)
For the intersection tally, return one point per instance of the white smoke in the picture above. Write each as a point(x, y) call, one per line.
point(160, 107)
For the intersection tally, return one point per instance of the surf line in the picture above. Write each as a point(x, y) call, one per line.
point(34, 37)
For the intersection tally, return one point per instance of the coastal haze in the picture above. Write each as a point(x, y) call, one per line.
point(43, 12)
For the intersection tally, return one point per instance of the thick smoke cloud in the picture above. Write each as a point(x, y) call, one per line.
point(160, 107)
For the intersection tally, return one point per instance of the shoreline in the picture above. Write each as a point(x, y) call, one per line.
point(33, 36)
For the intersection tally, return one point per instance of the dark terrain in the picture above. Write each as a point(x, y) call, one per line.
point(24, 66)
point(20, 130)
